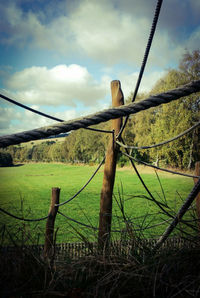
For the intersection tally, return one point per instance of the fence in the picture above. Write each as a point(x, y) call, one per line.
point(116, 143)
point(76, 250)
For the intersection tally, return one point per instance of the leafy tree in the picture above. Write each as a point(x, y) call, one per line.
point(166, 121)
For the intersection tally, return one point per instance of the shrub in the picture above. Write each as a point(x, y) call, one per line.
point(5, 159)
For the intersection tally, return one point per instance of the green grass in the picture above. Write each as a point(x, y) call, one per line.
point(32, 183)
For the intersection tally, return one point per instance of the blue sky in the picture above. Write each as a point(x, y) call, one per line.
point(60, 56)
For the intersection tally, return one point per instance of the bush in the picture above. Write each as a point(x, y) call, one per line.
point(5, 159)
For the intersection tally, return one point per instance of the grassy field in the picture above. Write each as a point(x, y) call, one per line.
point(26, 190)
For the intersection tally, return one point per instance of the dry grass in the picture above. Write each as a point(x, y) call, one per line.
point(167, 274)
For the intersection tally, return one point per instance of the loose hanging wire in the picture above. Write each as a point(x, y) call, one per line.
point(162, 143)
point(153, 29)
point(158, 168)
point(22, 218)
point(44, 114)
point(84, 186)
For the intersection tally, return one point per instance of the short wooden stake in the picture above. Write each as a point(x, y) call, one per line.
point(197, 173)
point(105, 216)
point(49, 235)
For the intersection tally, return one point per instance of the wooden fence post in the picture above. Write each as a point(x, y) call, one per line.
point(49, 235)
point(105, 215)
point(197, 173)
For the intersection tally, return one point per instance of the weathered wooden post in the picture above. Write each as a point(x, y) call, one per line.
point(197, 173)
point(105, 215)
point(49, 240)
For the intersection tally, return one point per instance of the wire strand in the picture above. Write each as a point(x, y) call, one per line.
point(21, 218)
point(103, 116)
point(74, 196)
point(146, 54)
point(191, 197)
point(113, 231)
point(162, 143)
point(46, 115)
point(158, 168)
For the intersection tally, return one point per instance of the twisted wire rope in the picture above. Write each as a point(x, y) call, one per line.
point(145, 58)
point(103, 116)
point(153, 27)
point(84, 186)
point(46, 115)
point(179, 215)
point(127, 113)
point(158, 168)
point(21, 218)
point(162, 143)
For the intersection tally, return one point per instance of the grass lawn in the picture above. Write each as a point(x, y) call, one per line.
point(32, 183)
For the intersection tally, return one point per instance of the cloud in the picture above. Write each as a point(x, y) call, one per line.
point(60, 85)
point(128, 82)
point(13, 120)
point(110, 32)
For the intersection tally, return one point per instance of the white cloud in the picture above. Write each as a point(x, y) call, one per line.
point(13, 120)
point(60, 85)
point(106, 31)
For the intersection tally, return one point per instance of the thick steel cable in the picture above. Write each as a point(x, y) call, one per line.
point(103, 116)
point(158, 168)
point(162, 143)
point(178, 217)
point(78, 192)
point(44, 114)
point(146, 54)
point(21, 218)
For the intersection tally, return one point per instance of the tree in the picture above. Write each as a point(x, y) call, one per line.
point(166, 121)
point(5, 159)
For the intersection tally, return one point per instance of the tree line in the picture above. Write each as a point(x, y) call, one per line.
point(144, 128)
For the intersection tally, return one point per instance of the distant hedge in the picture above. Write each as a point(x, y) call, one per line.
point(5, 159)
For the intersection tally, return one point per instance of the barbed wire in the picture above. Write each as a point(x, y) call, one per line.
point(78, 192)
point(22, 218)
point(145, 58)
point(103, 116)
point(46, 115)
point(162, 143)
point(158, 168)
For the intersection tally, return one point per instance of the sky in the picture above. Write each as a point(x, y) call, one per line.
point(59, 56)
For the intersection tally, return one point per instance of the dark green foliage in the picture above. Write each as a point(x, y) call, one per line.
point(5, 159)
